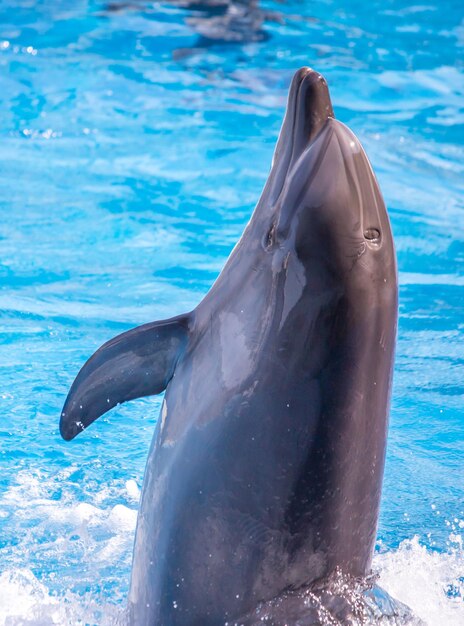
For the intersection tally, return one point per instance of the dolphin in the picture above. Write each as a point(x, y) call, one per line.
point(261, 493)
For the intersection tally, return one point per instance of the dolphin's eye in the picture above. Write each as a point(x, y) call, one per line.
point(372, 235)
point(269, 238)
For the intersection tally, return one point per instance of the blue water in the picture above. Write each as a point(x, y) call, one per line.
point(134, 145)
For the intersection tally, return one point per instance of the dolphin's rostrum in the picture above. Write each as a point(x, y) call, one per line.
point(263, 481)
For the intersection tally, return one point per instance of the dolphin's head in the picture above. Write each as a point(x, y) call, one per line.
point(322, 202)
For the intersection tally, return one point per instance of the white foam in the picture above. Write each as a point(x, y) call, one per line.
point(122, 518)
point(430, 582)
point(24, 601)
point(133, 490)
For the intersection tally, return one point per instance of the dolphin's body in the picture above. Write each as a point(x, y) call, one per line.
point(265, 472)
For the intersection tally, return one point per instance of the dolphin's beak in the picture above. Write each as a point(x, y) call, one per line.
point(311, 107)
point(308, 109)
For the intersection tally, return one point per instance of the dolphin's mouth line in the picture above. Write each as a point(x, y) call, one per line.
point(296, 110)
point(291, 159)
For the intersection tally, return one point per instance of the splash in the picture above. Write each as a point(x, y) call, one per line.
point(25, 601)
point(66, 556)
point(430, 582)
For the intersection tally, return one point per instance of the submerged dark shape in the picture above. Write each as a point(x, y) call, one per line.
point(215, 21)
point(241, 21)
point(263, 481)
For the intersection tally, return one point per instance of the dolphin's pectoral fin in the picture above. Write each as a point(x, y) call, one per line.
point(137, 363)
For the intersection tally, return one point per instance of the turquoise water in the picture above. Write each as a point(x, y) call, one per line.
point(134, 144)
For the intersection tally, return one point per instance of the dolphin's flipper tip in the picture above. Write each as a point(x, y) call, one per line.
point(69, 429)
point(138, 363)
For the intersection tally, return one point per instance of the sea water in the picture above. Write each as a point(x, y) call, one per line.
point(135, 140)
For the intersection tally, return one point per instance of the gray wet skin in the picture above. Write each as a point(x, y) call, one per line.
point(266, 467)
